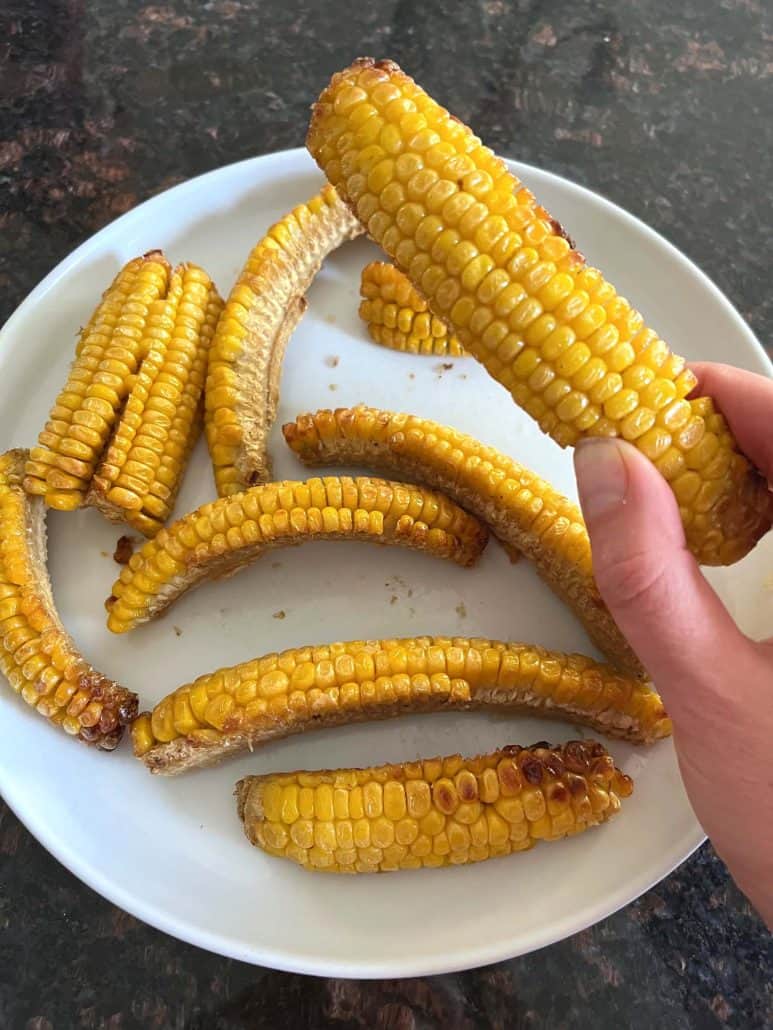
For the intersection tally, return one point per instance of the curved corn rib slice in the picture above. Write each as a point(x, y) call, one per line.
point(36, 654)
point(140, 475)
point(261, 312)
point(505, 278)
point(279, 694)
point(225, 536)
point(434, 812)
point(108, 354)
point(522, 510)
point(398, 317)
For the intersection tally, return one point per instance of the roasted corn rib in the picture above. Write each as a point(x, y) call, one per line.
point(141, 472)
point(107, 357)
point(433, 812)
point(506, 279)
point(522, 510)
point(397, 315)
point(225, 536)
point(37, 656)
point(261, 312)
point(307, 687)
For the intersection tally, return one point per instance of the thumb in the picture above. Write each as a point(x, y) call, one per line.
point(651, 583)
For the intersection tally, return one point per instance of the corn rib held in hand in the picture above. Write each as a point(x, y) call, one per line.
point(262, 310)
point(140, 475)
point(227, 535)
point(398, 317)
point(434, 812)
point(504, 277)
point(519, 508)
point(108, 355)
point(37, 656)
point(274, 696)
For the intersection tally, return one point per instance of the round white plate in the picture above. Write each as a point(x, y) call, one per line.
point(172, 852)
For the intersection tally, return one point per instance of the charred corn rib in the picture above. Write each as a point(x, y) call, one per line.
point(140, 475)
point(280, 694)
point(261, 312)
point(225, 536)
point(506, 279)
point(434, 812)
point(398, 317)
point(108, 355)
point(519, 508)
point(36, 655)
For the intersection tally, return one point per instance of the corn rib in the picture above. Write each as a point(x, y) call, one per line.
point(37, 656)
point(107, 357)
point(398, 317)
point(261, 312)
point(506, 279)
point(227, 535)
point(276, 695)
point(434, 812)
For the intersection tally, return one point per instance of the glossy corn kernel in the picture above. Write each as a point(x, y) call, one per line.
point(262, 310)
point(37, 657)
point(508, 282)
point(398, 317)
point(227, 535)
point(278, 694)
point(140, 475)
point(108, 355)
point(431, 813)
point(524, 511)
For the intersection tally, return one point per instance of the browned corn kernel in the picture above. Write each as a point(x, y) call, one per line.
point(262, 310)
point(229, 534)
point(37, 656)
point(507, 280)
point(108, 354)
point(273, 696)
point(522, 510)
point(436, 812)
point(397, 315)
point(142, 469)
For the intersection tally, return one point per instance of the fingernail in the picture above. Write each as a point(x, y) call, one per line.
point(602, 477)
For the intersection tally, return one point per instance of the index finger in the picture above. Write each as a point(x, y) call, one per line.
point(746, 401)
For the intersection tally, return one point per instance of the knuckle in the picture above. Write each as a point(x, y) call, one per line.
point(633, 582)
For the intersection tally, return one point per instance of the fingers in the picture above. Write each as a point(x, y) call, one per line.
point(746, 401)
point(652, 584)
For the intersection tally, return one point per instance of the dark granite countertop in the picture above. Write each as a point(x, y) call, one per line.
point(665, 108)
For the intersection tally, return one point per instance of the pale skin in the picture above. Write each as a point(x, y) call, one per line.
point(716, 682)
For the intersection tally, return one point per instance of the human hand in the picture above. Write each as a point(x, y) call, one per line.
point(716, 683)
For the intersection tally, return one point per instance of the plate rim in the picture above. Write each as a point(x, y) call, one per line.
point(182, 929)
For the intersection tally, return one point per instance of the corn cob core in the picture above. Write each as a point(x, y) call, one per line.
point(225, 536)
point(262, 310)
point(233, 709)
point(36, 655)
point(108, 354)
point(140, 475)
point(503, 275)
point(434, 812)
point(522, 510)
point(398, 317)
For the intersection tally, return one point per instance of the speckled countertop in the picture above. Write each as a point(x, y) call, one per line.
point(665, 108)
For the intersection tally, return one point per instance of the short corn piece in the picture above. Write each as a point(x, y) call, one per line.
point(37, 656)
point(227, 535)
point(142, 470)
point(507, 280)
point(525, 512)
point(434, 812)
point(233, 709)
point(398, 317)
point(108, 354)
point(261, 313)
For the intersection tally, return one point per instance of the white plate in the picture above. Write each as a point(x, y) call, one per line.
point(172, 851)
